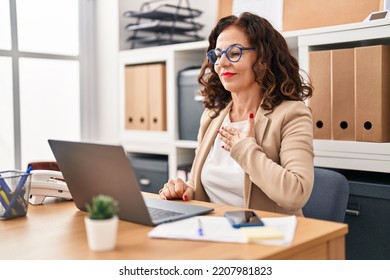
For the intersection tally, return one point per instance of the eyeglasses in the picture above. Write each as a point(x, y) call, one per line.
point(233, 54)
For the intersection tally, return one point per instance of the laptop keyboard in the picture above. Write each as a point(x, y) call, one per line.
point(157, 213)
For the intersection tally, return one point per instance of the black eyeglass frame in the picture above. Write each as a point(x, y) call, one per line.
point(209, 53)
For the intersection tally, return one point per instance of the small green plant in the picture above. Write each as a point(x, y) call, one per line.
point(102, 207)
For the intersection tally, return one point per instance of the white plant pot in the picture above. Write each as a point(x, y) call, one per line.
point(101, 234)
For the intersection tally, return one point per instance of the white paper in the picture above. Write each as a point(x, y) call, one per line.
point(287, 225)
point(218, 229)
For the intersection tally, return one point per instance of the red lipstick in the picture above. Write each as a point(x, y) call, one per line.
point(227, 74)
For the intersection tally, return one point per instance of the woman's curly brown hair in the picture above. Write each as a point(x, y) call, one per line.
point(281, 80)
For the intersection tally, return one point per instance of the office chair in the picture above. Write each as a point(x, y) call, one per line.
point(329, 198)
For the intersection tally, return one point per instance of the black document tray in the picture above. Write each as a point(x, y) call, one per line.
point(165, 26)
point(166, 12)
point(163, 39)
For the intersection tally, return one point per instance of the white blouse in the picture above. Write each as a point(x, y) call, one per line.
point(222, 177)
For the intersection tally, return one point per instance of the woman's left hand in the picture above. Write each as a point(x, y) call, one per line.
point(230, 135)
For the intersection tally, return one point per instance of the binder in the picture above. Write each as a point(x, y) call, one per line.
point(343, 94)
point(373, 93)
point(136, 99)
point(145, 97)
point(157, 97)
point(320, 102)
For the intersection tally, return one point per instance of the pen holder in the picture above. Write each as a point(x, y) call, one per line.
point(14, 193)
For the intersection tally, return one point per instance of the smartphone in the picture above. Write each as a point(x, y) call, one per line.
point(244, 218)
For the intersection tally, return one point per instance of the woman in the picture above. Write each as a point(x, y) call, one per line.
point(256, 135)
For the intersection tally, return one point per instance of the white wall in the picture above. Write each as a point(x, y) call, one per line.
point(107, 46)
point(109, 22)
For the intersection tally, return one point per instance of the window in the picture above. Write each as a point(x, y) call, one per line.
point(41, 68)
point(6, 114)
point(48, 26)
point(5, 27)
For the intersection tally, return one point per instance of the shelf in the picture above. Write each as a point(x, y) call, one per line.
point(353, 155)
point(336, 28)
point(147, 142)
point(163, 39)
point(350, 155)
point(176, 58)
point(187, 144)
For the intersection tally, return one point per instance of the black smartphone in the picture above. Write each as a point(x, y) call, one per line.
point(244, 218)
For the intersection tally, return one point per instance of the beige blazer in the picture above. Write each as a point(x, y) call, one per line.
point(278, 162)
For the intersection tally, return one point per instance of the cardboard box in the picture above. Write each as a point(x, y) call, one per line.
point(304, 14)
point(372, 72)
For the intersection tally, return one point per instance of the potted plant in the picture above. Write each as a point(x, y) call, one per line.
point(102, 223)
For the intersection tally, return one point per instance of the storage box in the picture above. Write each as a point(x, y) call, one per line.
point(14, 194)
point(190, 104)
point(368, 216)
point(303, 14)
point(151, 171)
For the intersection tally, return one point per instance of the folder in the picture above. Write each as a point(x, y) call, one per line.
point(136, 99)
point(320, 102)
point(343, 94)
point(145, 97)
point(157, 97)
point(373, 93)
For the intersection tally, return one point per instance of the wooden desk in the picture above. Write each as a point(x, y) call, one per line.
point(56, 230)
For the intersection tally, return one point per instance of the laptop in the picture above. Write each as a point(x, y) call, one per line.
point(90, 169)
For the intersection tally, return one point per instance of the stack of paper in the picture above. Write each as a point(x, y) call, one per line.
point(276, 231)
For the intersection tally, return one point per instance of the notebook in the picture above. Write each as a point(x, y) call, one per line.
point(91, 169)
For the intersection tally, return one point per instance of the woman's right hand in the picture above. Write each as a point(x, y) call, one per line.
point(176, 189)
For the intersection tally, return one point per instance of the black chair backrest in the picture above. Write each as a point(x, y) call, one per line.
point(329, 198)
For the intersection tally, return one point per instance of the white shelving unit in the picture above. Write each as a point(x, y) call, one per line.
point(176, 58)
point(335, 154)
point(365, 156)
